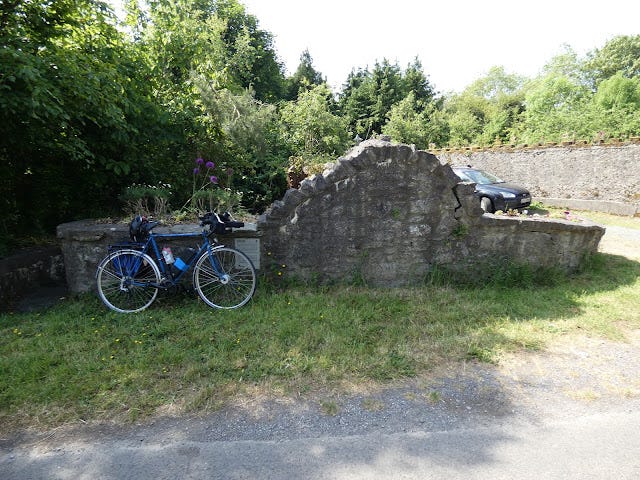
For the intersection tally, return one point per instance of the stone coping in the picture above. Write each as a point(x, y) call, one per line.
point(88, 229)
point(541, 224)
point(605, 206)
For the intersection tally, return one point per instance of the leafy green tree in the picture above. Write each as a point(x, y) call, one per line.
point(556, 102)
point(410, 122)
point(553, 107)
point(355, 102)
point(251, 155)
point(614, 108)
point(487, 111)
point(417, 82)
point(620, 54)
point(367, 96)
point(312, 132)
point(305, 77)
point(466, 117)
point(196, 47)
point(65, 128)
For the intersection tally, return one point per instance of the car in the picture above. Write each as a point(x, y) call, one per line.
point(494, 194)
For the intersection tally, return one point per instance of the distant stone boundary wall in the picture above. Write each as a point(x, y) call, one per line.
point(603, 175)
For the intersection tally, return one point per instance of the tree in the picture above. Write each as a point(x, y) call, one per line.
point(311, 130)
point(249, 54)
point(614, 108)
point(411, 122)
point(554, 104)
point(502, 100)
point(305, 78)
point(251, 155)
point(196, 47)
point(65, 127)
point(620, 54)
point(367, 96)
point(417, 82)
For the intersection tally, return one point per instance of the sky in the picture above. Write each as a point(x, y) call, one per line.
point(457, 41)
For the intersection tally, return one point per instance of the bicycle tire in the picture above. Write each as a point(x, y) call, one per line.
point(125, 280)
point(236, 283)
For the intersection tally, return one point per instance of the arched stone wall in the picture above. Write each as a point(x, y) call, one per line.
point(387, 214)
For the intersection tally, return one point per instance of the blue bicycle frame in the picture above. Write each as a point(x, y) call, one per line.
point(165, 269)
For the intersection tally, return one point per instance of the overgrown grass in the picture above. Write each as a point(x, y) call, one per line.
point(79, 361)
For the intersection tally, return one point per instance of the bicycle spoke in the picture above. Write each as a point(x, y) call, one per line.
point(127, 280)
point(225, 279)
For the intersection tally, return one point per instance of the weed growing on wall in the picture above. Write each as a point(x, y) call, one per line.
point(147, 199)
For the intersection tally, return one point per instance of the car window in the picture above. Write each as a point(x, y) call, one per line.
point(463, 175)
point(478, 176)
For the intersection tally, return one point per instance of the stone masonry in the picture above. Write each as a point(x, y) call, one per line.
point(383, 214)
point(583, 176)
point(387, 214)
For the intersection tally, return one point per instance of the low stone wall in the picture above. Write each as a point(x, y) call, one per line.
point(27, 270)
point(84, 244)
point(388, 214)
point(535, 241)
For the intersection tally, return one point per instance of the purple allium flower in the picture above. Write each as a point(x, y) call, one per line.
point(210, 165)
point(213, 179)
point(196, 171)
point(229, 171)
point(199, 161)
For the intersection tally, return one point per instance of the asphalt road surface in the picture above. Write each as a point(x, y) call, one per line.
point(603, 446)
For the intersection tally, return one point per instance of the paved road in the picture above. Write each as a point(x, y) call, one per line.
point(602, 446)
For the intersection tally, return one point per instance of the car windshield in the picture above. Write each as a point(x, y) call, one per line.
point(478, 176)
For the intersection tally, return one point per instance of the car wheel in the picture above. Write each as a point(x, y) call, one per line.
point(486, 204)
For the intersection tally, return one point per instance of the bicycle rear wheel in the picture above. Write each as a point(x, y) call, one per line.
point(127, 280)
point(225, 278)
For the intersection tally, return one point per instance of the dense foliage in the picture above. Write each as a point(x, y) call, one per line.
point(91, 106)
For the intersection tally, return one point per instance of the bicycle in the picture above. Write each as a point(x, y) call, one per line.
point(130, 276)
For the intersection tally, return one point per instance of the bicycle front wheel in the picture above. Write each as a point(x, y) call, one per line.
point(224, 278)
point(127, 280)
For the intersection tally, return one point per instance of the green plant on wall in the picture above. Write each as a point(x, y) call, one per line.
point(207, 192)
point(146, 199)
point(220, 200)
point(460, 231)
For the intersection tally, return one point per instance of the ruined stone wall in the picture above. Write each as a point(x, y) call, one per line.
point(609, 173)
point(387, 214)
point(384, 214)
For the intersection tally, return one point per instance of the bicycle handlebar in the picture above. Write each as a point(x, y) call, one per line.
point(219, 223)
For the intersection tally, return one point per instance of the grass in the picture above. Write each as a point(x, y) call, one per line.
point(79, 361)
point(614, 220)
